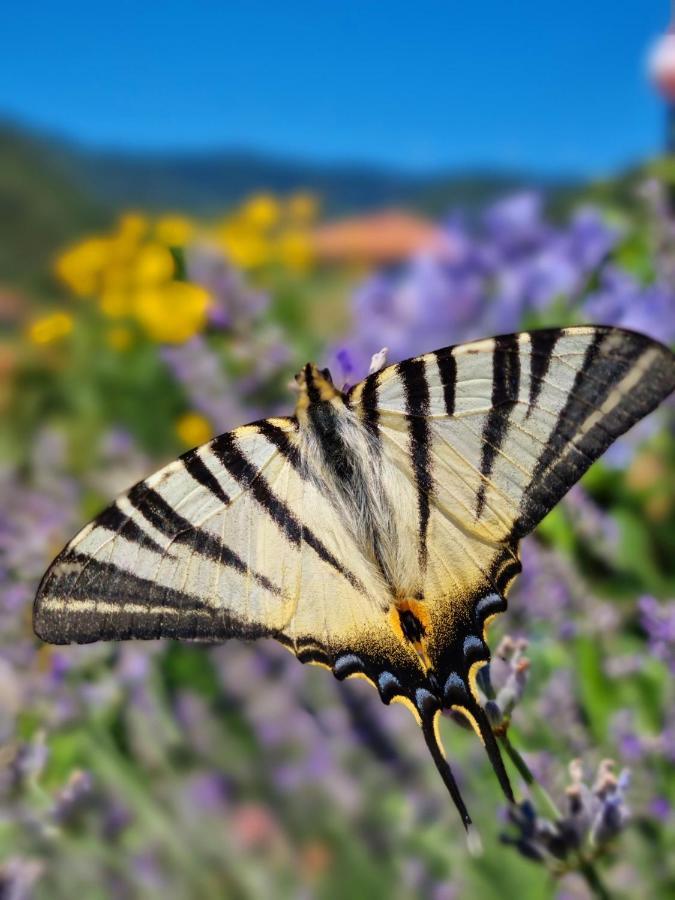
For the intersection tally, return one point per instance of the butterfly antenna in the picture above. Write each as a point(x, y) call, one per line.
point(492, 748)
point(431, 738)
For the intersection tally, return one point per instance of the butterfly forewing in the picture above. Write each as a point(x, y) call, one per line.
point(232, 540)
point(514, 421)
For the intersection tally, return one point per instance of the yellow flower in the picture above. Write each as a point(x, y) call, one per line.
point(132, 227)
point(193, 429)
point(303, 207)
point(50, 328)
point(295, 250)
point(261, 211)
point(245, 247)
point(80, 266)
point(175, 231)
point(174, 312)
point(154, 265)
point(119, 338)
point(116, 303)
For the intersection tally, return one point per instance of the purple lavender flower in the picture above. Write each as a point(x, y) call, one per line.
point(557, 705)
point(596, 814)
point(503, 682)
point(621, 300)
point(632, 745)
point(72, 795)
point(201, 372)
point(592, 524)
point(233, 303)
point(207, 792)
point(515, 224)
point(18, 875)
point(480, 283)
point(658, 621)
point(661, 809)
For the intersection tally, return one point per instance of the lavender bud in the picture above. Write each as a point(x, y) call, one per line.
point(71, 796)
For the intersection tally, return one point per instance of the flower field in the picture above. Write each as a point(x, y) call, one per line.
point(181, 771)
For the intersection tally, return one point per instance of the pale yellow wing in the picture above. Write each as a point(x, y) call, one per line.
point(231, 540)
point(491, 435)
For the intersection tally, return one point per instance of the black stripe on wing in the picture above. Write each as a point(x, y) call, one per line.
point(280, 439)
point(68, 607)
point(414, 380)
point(505, 387)
point(370, 412)
point(114, 520)
point(447, 368)
point(542, 345)
point(228, 453)
point(164, 518)
point(201, 473)
point(573, 444)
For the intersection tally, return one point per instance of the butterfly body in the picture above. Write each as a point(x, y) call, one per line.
point(376, 531)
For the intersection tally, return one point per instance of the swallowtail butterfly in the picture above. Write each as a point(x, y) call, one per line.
point(376, 531)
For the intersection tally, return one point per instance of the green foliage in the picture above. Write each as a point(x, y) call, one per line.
point(41, 209)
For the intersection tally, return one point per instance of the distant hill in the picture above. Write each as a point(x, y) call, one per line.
point(206, 183)
point(41, 209)
point(52, 190)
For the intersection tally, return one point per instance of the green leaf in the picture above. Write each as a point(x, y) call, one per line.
point(598, 692)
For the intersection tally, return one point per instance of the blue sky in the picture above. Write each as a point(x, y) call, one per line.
point(555, 87)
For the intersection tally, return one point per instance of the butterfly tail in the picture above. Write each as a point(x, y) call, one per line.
point(431, 736)
point(489, 740)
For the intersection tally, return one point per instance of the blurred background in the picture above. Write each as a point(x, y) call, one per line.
point(194, 201)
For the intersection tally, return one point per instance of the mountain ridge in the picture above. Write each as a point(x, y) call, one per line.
point(207, 182)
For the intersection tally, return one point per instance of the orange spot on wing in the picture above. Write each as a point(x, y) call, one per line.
point(420, 610)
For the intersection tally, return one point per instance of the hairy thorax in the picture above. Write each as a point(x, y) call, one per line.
point(371, 497)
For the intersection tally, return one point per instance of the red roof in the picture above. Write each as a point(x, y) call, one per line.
point(376, 238)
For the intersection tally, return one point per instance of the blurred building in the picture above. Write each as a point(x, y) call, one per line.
point(376, 239)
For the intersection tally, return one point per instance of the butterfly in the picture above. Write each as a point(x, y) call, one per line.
point(376, 531)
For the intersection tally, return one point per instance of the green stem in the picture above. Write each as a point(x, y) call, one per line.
point(594, 881)
point(527, 776)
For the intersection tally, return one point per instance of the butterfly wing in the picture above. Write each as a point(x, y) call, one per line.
point(492, 435)
point(231, 540)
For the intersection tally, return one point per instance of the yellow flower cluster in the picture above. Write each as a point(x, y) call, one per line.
point(267, 231)
point(132, 274)
point(50, 328)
